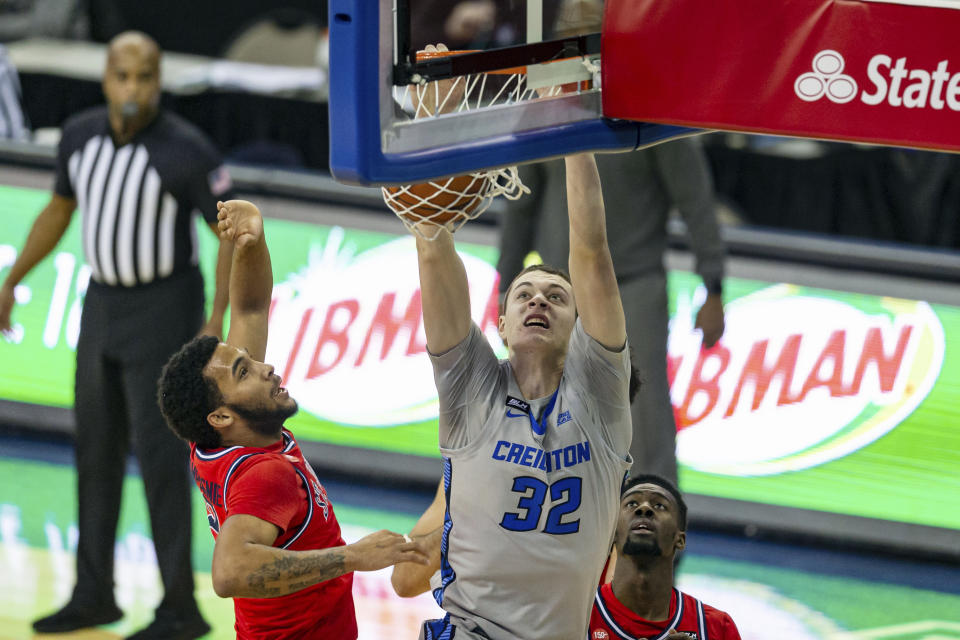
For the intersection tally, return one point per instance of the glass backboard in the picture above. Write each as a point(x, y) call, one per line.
point(532, 77)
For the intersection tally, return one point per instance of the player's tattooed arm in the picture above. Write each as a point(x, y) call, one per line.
point(287, 574)
point(246, 565)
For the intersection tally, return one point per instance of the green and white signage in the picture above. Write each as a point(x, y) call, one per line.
point(814, 398)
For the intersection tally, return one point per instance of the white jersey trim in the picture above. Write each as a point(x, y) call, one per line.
point(610, 622)
point(200, 453)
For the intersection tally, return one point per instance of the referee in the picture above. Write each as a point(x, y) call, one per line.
point(137, 175)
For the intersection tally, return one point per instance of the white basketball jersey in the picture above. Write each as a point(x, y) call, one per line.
point(533, 488)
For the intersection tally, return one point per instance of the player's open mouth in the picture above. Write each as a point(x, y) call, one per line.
point(536, 321)
point(641, 527)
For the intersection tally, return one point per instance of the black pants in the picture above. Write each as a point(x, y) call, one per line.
point(126, 336)
point(654, 443)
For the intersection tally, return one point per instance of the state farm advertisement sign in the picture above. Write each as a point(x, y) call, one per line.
point(799, 380)
point(878, 72)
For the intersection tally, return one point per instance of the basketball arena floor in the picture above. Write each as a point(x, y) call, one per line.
point(772, 590)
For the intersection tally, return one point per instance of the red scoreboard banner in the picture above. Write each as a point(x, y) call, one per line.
point(862, 71)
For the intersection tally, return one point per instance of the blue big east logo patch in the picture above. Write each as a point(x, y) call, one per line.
point(212, 519)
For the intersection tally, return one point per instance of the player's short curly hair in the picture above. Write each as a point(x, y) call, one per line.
point(186, 395)
point(663, 483)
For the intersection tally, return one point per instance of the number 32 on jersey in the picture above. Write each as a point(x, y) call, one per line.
point(564, 500)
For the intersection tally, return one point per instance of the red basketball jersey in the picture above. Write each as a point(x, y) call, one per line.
point(324, 610)
point(612, 620)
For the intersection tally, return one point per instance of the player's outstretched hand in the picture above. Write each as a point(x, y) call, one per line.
point(445, 95)
point(383, 549)
point(239, 222)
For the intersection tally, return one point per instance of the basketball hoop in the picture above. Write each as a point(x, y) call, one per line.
point(451, 202)
point(373, 78)
point(427, 207)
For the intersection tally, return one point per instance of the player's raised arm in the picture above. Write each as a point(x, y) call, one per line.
point(251, 276)
point(444, 290)
point(591, 267)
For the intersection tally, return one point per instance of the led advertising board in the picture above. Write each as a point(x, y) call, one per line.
point(819, 399)
point(788, 600)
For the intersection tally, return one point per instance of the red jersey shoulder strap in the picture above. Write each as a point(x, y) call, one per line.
point(695, 605)
point(309, 517)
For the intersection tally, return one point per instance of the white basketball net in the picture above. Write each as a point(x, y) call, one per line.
point(482, 90)
point(451, 202)
point(425, 216)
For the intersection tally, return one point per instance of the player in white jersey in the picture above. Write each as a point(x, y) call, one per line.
point(535, 447)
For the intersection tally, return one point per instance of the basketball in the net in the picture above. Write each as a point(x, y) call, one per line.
point(439, 201)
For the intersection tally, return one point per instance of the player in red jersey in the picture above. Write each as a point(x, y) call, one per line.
point(641, 601)
point(278, 549)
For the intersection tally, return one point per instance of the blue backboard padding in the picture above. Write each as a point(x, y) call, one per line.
point(650, 133)
point(353, 103)
point(529, 146)
point(356, 156)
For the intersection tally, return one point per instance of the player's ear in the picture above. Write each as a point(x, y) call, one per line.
point(221, 418)
point(502, 329)
point(680, 542)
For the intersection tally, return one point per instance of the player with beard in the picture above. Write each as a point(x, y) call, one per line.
point(278, 549)
point(641, 602)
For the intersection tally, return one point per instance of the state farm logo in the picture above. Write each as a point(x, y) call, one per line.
point(799, 378)
point(889, 80)
point(826, 79)
point(346, 332)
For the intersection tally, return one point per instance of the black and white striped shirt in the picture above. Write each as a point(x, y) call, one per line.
point(13, 122)
point(136, 201)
